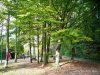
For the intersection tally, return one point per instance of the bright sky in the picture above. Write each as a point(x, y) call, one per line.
point(4, 27)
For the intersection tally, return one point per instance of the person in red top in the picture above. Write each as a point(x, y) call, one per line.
point(9, 56)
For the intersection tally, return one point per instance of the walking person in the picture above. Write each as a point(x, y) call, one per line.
point(23, 56)
point(9, 55)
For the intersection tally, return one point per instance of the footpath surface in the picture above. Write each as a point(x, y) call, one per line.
point(67, 67)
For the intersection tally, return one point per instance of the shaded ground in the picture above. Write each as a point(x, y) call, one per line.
point(23, 67)
point(76, 68)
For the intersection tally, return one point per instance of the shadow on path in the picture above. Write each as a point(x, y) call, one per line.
point(20, 65)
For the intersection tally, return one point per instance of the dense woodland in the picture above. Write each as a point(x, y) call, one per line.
point(72, 25)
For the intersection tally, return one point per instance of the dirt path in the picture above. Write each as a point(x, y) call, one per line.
point(23, 67)
point(76, 68)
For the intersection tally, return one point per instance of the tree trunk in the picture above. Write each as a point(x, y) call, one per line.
point(7, 40)
point(1, 43)
point(16, 47)
point(38, 43)
point(42, 50)
point(57, 58)
point(73, 53)
point(48, 41)
point(34, 55)
point(58, 50)
point(30, 50)
point(48, 48)
point(57, 54)
point(44, 45)
point(30, 43)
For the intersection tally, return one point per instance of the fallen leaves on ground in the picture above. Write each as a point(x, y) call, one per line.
point(66, 68)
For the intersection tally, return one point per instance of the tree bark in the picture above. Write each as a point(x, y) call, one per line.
point(42, 50)
point(48, 41)
point(44, 44)
point(34, 55)
point(30, 50)
point(1, 43)
point(38, 43)
point(7, 40)
point(57, 55)
point(73, 53)
point(30, 46)
point(16, 47)
point(57, 58)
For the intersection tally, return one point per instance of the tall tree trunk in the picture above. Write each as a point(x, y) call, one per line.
point(34, 55)
point(48, 48)
point(73, 53)
point(42, 50)
point(30, 43)
point(30, 50)
point(57, 54)
point(48, 41)
point(44, 44)
point(38, 43)
point(16, 47)
point(1, 43)
point(7, 40)
point(61, 40)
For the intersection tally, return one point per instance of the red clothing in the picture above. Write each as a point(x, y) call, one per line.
point(9, 55)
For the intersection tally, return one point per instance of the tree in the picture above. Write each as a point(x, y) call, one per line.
point(30, 43)
point(7, 38)
point(44, 44)
point(1, 41)
point(16, 44)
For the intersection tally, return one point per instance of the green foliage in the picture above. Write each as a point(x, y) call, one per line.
point(72, 22)
point(74, 35)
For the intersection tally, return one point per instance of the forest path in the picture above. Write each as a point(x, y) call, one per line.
point(67, 67)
